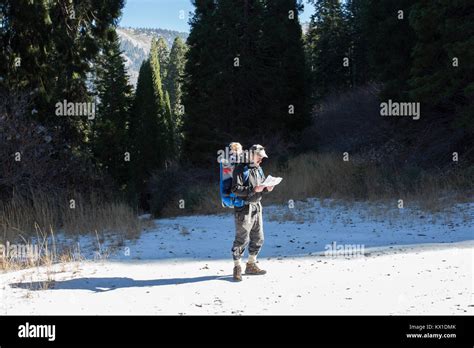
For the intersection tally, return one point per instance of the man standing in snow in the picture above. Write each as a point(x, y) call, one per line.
point(248, 219)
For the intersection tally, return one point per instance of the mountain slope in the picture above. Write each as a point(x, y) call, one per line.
point(136, 42)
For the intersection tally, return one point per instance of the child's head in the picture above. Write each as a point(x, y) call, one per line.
point(235, 148)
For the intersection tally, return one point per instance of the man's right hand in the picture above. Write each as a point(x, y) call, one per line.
point(258, 188)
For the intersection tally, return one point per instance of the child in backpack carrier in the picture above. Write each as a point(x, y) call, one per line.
point(228, 165)
point(235, 153)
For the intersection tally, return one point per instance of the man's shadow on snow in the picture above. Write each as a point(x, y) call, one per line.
point(108, 284)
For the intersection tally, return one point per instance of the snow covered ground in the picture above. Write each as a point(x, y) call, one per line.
point(406, 262)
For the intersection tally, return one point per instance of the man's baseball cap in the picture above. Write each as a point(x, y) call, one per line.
point(259, 150)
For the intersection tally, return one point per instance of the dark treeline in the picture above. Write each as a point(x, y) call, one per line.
point(67, 53)
point(419, 50)
point(413, 51)
point(246, 76)
point(49, 54)
point(247, 73)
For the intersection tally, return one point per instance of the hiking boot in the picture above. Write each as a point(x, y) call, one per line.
point(252, 269)
point(238, 273)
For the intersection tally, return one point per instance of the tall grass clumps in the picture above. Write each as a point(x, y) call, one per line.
point(327, 176)
point(39, 215)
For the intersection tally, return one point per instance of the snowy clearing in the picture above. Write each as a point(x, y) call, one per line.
point(411, 264)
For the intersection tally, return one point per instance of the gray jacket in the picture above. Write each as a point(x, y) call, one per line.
point(245, 190)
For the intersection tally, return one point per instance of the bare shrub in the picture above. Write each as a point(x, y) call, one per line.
point(34, 156)
point(346, 122)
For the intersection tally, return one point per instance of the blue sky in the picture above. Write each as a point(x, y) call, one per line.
point(166, 14)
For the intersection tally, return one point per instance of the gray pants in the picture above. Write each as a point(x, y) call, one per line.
point(248, 230)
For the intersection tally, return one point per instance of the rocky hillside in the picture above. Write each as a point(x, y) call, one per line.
point(135, 43)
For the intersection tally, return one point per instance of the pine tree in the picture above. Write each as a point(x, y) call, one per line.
point(175, 74)
point(48, 49)
point(286, 84)
point(25, 44)
point(442, 72)
point(390, 40)
point(329, 48)
point(173, 85)
point(163, 56)
point(253, 82)
point(358, 56)
point(200, 125)
point(110, 128)
point(146, 154)
point(163, 105)
point(149, 127)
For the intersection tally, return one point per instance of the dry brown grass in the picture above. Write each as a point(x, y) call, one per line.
point(22, 216)
point(40, 215)
point(43, 253)
point(205, 200)
point(328, 176)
